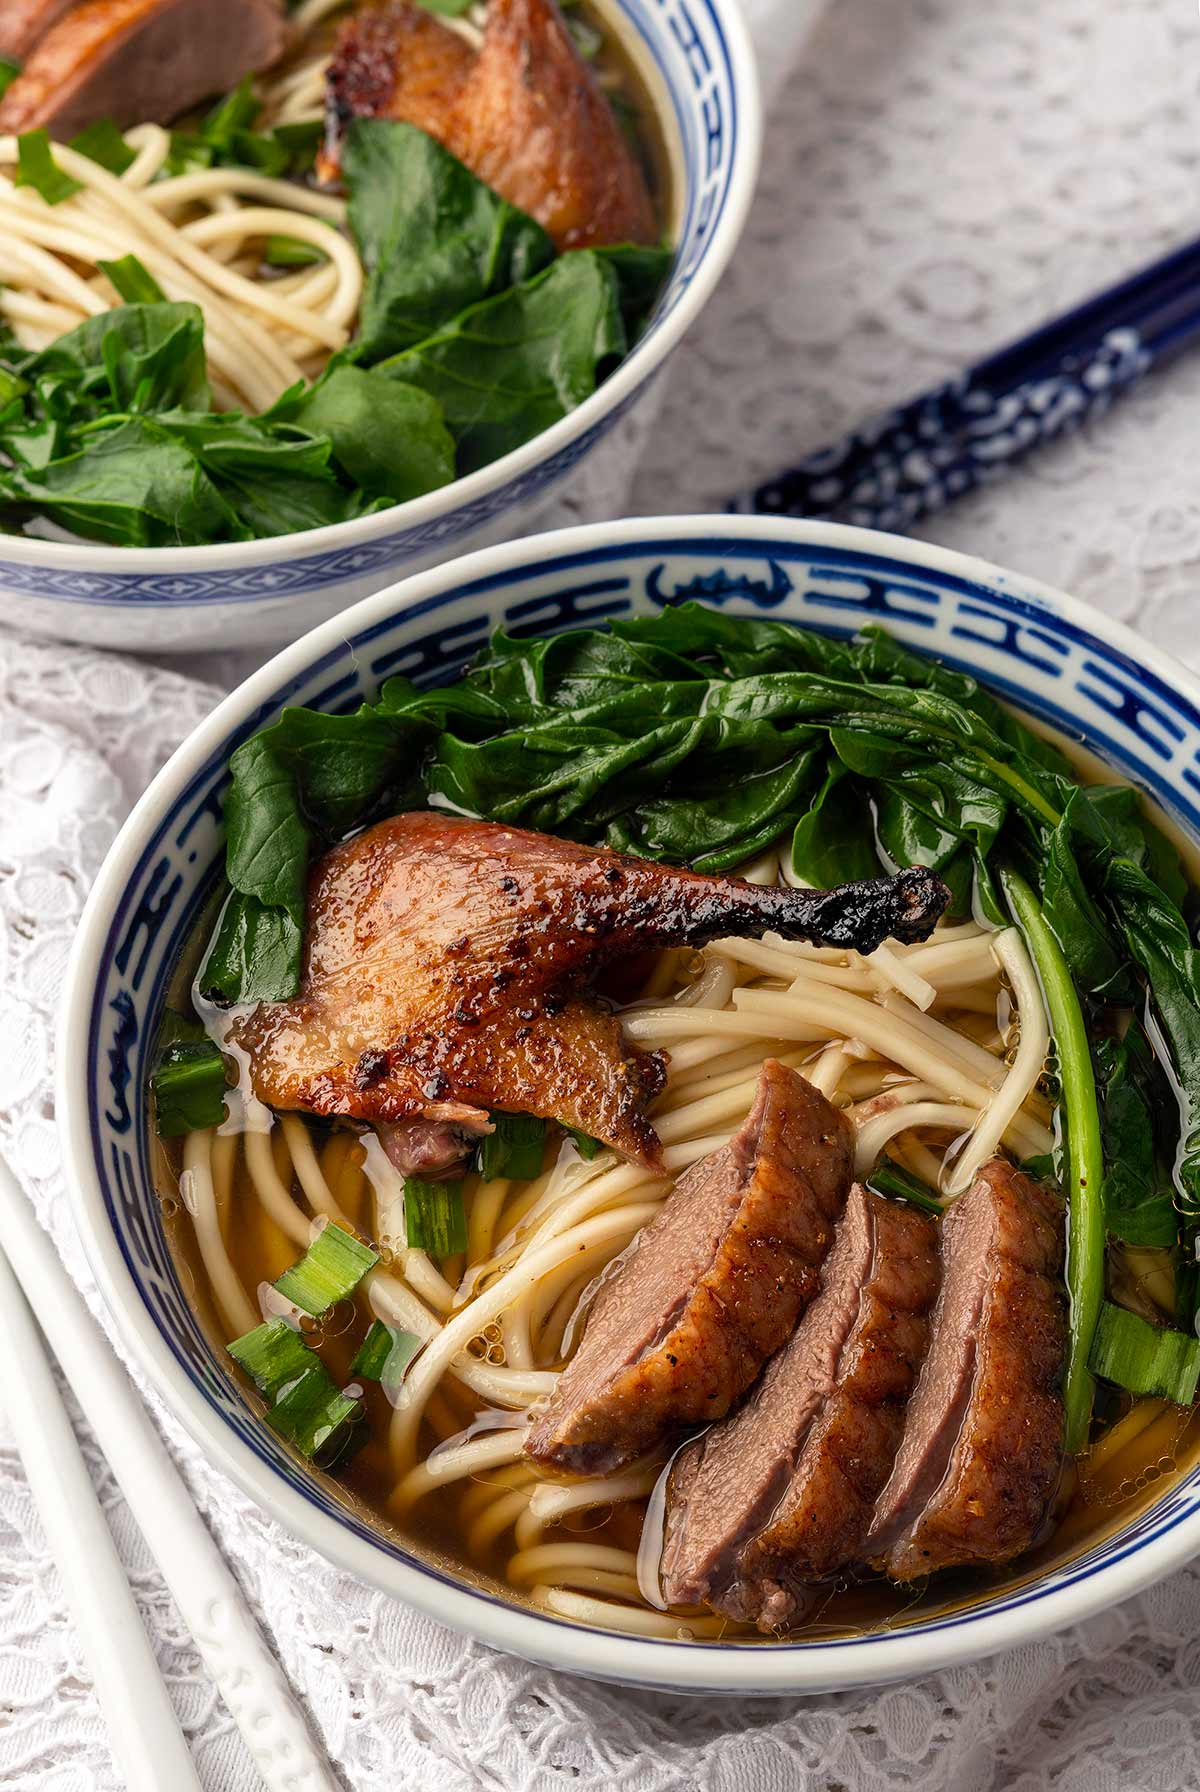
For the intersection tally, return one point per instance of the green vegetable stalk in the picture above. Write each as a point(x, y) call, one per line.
point(1085, 1165)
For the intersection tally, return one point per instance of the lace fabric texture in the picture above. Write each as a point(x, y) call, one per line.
point(939, 176)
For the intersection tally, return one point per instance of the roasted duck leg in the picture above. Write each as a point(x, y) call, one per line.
point(447, 971)
point(525, 112)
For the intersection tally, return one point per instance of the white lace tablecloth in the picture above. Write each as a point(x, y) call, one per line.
point(939, 176)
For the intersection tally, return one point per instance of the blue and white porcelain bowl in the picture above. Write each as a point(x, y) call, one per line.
point(1058, 659)
point(699, 67)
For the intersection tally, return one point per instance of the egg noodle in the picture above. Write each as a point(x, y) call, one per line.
point(935, 1051)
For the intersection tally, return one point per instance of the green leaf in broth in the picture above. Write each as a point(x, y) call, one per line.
point(37, 168)
point(451, 243)
point(835, 840)
point(510, 366)
point(1138, 1119)
point(254, 955)
point(144, 357)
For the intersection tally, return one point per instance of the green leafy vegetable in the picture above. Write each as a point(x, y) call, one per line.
point(1139, 1121)
point(513, 1148)
point(330, 1269)
point(507, 368)
point(102, 142)
point(388, 438)
point(37, 168)
point(1085, 1156)
point(1145, 1358)
point(8, 73)
point(188, 1079)
point(434, 1217)
point(452, 242)
point(133, 283)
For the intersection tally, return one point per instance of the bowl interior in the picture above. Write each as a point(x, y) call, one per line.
point(1026, 645)
point(699, 68)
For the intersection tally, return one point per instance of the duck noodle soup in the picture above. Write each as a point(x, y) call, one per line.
point(265, 270)
point(693, 1123)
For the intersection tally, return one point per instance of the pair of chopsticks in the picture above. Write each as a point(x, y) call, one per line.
point(146, 1739)
point(939, 446)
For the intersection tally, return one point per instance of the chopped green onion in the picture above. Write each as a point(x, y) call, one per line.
point(290, 252)
point(887, 1178)
point(8, 73)
point(450, 9)
point(189, 1078)
point(134, 283)
point(434, 1219)
point(587, 40)
point(330, 1269)
point(102, 142)
point(301, 142)
point(384, 1354)
point(1085, 1154)
point(514, 1148)
point(188, 151)
point(315, 1415)
point(236, 112)
point(585, 1144)
point(37, 168)
point(273, 1355)
point(1145, 1358)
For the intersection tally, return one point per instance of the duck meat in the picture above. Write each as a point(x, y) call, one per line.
point(448, 960)
point(982, 1451)
point(781, 1494)
point(524, 112)
point(23, 22)
point(137, 61)
point(714, 1285)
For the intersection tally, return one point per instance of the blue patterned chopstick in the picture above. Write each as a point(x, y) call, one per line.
point(919, 457)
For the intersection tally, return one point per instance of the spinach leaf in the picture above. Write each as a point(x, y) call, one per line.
point(387, 437)
point(1138, 1121)
point(641, 270)
point(450, 242)
point(833, 842)
point(132, 281)
point(134, 486)
point(135, 357)
point(509, 367)
point(102, 142)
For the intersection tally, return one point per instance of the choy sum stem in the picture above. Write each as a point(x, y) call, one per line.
point(1085, 1191)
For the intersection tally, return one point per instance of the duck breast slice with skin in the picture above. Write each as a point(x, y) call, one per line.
point(451, 961)
point(23, 22)
point(713, 1286)
point(140, 61)
point(782, 1492)
point(525, 113)
point(982, 1450)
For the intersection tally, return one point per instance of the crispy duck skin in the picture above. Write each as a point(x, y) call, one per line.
point(525, 113)
point(449, 960)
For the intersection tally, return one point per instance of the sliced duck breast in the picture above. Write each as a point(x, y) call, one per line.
point(138, 61)
point(781, 1493)
point(715, 1285)
point(982, 1449)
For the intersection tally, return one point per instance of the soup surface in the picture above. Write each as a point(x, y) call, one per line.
point(941, 1053)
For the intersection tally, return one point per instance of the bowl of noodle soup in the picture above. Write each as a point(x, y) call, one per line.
point(916, 1044)
point(267, 256)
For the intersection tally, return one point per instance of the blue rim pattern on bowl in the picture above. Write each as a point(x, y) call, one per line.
point(688, 44)
point(995, 626)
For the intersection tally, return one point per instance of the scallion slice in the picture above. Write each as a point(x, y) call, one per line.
point(1145, 1358)
point(273, 1355)
point(330, 1269)
point(37, 168)
point(434, 1219)
point(188, 1080)
point(887, 1178)
point(290, 252)
point(315, 1415)
point(514, 1148)
point(384, 1354)
point(585, 1144)
point(102, 142)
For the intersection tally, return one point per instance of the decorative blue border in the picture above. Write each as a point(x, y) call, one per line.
point(689, 48)
point(1056, 669)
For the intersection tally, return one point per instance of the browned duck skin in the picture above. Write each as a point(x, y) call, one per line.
point(449, 960)
point(525, 113)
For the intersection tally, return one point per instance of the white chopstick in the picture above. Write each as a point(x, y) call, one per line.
point(247, 1675)
point(142, 1727)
